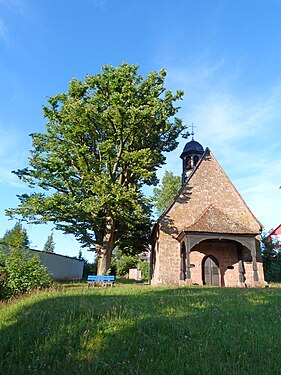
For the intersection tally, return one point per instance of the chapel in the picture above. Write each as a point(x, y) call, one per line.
point(208, 235)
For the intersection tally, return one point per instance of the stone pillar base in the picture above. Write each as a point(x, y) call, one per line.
point(241, 285)
point(185, 282)
point(257, 284)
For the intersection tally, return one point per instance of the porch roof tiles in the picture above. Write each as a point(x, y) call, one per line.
point(213, 220)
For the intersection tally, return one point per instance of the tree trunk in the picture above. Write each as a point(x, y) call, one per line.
point(105, 249)
point(104, 262)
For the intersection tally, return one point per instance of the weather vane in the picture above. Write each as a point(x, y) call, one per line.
point(187, 134)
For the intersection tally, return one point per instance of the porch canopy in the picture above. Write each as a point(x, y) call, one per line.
point(213, 224)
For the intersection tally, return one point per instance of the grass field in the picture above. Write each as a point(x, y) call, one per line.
point(142, 330)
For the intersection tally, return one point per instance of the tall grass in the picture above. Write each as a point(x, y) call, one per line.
point(142, 330)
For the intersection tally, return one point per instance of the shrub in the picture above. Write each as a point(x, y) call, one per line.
point(4, 291)
point(121, 263)
point(145, 269)
point(271, 260)
point(21, 272)
point(90, 268)
point(125, 263)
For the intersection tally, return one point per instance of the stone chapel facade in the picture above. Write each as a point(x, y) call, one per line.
point(208, 235)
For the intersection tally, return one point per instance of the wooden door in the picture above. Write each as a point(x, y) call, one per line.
point(211, 272)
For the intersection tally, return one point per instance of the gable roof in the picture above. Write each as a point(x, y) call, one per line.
point(210, 202)
point(182, 188)
point(274, 231)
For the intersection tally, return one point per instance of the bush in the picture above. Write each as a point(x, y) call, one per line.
point(90, 268)
point(125, 263)
point(271, 257)
point(4, 291)
point(145, 269)
point(21, 272)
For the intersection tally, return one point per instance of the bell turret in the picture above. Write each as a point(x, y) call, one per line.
point(190, 156)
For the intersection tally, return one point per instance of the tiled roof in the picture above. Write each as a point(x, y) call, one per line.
point(274, 231)
point(212, 220)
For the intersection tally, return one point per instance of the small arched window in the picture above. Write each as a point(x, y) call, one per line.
point(195, 160)
point(188, 163)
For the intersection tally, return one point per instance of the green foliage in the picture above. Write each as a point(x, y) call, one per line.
point(105, 138)
point(80, 256)
point(4, 290)
point(145, 269)
point(271, 260)
point(15, 237)
point(135, 240)
point(21, 272)
point(121, 263)
point(166, 192)
point(49, 246)
point(90, 268)
point(125, 263)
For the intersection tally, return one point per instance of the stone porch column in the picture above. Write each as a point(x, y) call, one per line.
point(254, 260)
point(182, 261)
point(241, 268)
point(187, 248)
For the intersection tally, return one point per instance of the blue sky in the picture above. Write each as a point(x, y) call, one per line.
point(224, 54)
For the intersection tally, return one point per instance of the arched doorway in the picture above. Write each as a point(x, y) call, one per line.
point(211, 271)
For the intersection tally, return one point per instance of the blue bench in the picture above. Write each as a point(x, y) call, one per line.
point(101, 280)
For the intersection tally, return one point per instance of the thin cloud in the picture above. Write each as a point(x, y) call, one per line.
point(3, 31)
point(240, 127)
point(218, 109)
point(100, 4)
point(228, 119)
point(10, 179)
point(15, 6)
point(13, 155)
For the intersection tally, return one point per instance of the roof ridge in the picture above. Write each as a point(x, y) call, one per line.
point(183, 187)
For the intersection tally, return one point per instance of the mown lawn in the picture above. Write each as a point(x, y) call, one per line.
point(142, 330)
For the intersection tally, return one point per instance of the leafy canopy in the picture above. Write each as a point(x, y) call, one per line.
point(105, 138)
point(49, 246)
point(15, 238)
point(166, 192)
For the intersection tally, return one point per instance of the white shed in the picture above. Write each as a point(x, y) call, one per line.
point(61, 267)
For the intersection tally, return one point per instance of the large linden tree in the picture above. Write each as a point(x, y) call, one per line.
point(105, 138)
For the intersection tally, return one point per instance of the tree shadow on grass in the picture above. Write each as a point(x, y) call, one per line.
point(144, 331)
